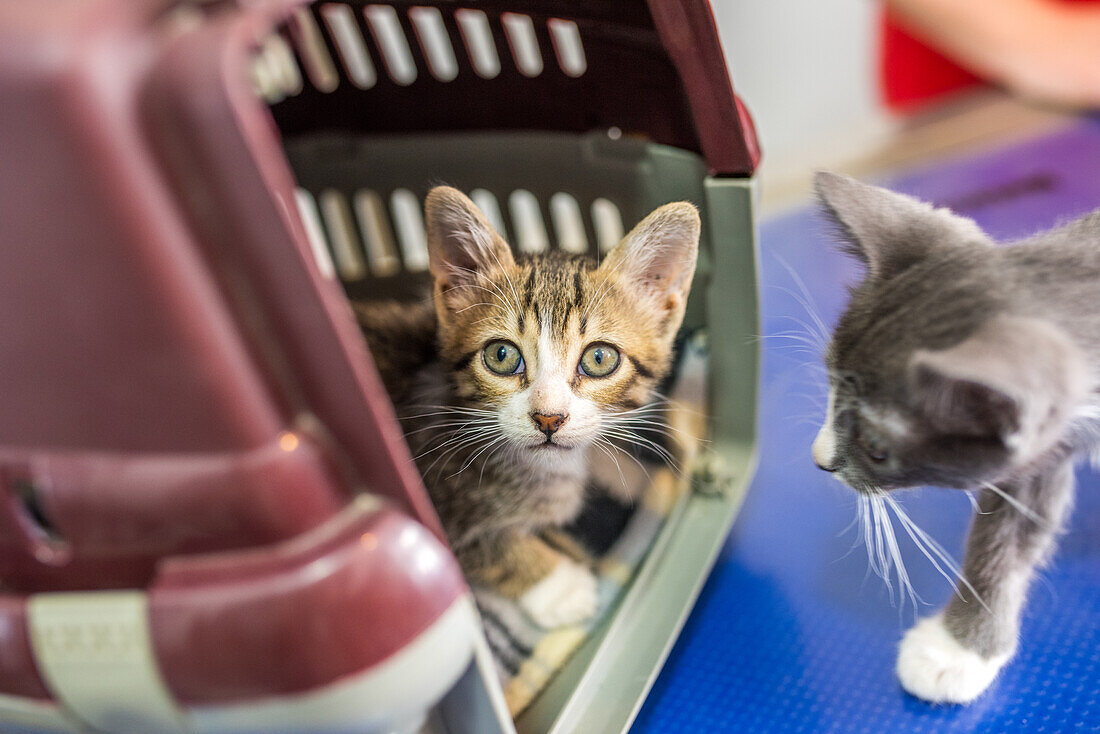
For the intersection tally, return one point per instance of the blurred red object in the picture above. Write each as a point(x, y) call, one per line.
point(912, 73)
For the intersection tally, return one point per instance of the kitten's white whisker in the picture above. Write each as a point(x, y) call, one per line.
point(665, 404)
point(807, 298)
point(508, 280)
point(601, 290)
point(644, 442)
point(920, 540)
point(929, 547)
point(629, 432)
point(654, 411)
point(810, 330)
point(662, 429)
point(447, 410)
point(1020, 506)
point(448, 425)
point(496, 289)
point(856, 523)
point(802, 339)
point(478, 453)
point(599, 443)
point(974, 502)
point(905, 585)
point(493, 289)
point(852, 524)
point(447, 455)
point(501, 447)
point(644, 418)
point(435, 443)
point(481, 303)
point(868, 533)
point(456, 444)
point(880, 547)
point(627, 454)
point(448, 438)
point(438, 419)
point(435, 414)
point(448, 406)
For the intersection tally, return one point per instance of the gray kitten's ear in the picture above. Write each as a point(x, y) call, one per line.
point(658, 257)
point(462, 245)
point(890, 231)
point(1016, 379)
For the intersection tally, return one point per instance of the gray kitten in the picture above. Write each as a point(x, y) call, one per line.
point(962, 364)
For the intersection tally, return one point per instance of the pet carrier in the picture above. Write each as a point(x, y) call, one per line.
point(209, 519)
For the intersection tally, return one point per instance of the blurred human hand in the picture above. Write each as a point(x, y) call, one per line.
point(1058, 59)
point(1042, 50)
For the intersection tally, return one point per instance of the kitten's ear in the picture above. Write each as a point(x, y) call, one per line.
point(658, 257)
point(889, 231)
point(462, 245)
point(1017, 379)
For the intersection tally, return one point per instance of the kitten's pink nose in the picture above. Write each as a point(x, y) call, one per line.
point(548, 423)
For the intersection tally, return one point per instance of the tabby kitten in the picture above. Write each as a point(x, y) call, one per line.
point(961, 364)
point(518, 370)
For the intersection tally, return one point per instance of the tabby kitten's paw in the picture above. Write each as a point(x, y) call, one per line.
point(933, 665)
point(566, 596)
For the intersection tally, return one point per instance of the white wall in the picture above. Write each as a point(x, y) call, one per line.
point(807, 71)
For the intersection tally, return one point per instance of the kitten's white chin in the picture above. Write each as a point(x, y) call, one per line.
point(550, 446)
point(558, 458)
point(933, 665)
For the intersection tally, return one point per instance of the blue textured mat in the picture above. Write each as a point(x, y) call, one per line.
point(790, 635)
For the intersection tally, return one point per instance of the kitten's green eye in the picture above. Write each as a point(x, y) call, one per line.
point(599, 360)
point(503, 358)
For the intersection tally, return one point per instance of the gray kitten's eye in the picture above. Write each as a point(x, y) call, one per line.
point(874, 449)
point(598, 360)
point(503, 358)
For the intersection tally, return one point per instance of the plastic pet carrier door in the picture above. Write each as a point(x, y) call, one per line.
point(210, 520)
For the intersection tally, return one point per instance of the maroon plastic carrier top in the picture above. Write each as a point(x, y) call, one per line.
point(653, 68)
point(179, 378)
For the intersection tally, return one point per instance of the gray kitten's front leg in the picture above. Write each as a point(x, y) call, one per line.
point(954, 656)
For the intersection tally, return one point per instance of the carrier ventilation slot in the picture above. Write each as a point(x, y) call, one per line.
point(386, 29)
point(489, 206)
point(359, 234)
point(377, 234)
point(521, 39)
point(608, 223)
point(418, 42)
point(336, 213)
point(314, 54)
point(568, 225)
point(315, 234)
point(527, 222)
point(478, 37)
point(568, 47)
point(434, 42)
point(345, 34)
point(410, 229)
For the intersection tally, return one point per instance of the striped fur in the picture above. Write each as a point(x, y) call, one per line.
point(497, 481)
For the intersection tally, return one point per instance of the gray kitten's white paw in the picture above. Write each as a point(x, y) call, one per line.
point(566, 596)
point(933, 665)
